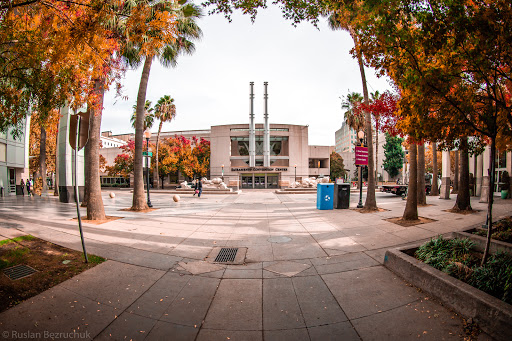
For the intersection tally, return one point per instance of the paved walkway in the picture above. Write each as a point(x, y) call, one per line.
point(309, 274)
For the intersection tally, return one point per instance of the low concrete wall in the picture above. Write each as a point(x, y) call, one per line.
point(492, 315)
point(480, 241)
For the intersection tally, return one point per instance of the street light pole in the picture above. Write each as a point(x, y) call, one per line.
point(147, 135)
point(360, 135)
point(295, 175)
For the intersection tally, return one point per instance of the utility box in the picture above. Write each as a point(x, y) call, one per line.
point(341, 196)
point(324, 196)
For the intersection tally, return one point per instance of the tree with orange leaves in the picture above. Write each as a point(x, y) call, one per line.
point(201, 154)
point(450, 61)
point(161, 30)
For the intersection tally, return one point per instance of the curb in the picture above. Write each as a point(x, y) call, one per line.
point(492, 315)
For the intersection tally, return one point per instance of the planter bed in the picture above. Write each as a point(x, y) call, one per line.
point(502, 230)
point(493, 315)
point(496, 245)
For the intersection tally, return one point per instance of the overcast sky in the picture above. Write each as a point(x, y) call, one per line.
point(308, 70)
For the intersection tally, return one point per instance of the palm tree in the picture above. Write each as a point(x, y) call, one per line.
point(340, 21)
point(435, 189)
point(149, 115)
point(150, 41)
point(422, 197)
point(165, 111)
point(353, 119)
point(376, 96)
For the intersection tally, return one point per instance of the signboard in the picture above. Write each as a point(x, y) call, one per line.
point(146, 153)
point(83, 136)
point(255, 169)
point(361, 156)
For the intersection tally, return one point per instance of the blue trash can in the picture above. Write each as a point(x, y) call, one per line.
point(324, 196)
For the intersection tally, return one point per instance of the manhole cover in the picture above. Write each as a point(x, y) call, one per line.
point(279, 239)
point(19, 271)
point(226, 255)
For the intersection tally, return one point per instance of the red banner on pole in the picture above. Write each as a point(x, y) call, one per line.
point(361, 156)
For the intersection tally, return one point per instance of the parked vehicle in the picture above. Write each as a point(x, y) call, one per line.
point(402, 189)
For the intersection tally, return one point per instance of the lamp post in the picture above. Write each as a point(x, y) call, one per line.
point(147, 135)
point(295, 174)
point(360, 135)
point(222, 172)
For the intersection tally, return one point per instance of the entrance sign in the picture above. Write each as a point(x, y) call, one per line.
point(261, 169)
point(361, 156)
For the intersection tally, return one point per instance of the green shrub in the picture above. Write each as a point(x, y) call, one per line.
point(501, 230)
point(495, 277)
point(456, 258)
point(440, 253)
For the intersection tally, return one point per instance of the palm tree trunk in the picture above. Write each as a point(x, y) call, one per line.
point(370, 203)
point(491, 197)
point(156, 154)
point(463, 202)
point(422, 198)
point(87, 168)
point(376, 152)
point(42, 159)
point(139, 202)
point(435, 189)
point(411, 207)
point(95, 208)
point(456, 175)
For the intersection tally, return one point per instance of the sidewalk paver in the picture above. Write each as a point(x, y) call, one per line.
point(309, 274)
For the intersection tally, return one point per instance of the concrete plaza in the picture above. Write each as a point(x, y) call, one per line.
point(308, 274)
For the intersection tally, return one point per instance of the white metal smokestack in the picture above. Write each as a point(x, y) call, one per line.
point(252, 130)
point(266, 131)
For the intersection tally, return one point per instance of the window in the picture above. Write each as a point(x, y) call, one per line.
point(259, 129)
point(3, 152)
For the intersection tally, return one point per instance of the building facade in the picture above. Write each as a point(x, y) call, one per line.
point(14, 160)
point(290, 157)
point(346, 139)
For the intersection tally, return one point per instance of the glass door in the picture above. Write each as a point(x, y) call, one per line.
point(12, 180)
point(259, 181)
point(247, 181)
point(272, 181)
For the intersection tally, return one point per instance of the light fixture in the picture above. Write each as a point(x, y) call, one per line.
point(147, 134)
point(360, 134)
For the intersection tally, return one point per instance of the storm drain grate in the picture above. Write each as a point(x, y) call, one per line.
point(226, 255)
point(19, 271)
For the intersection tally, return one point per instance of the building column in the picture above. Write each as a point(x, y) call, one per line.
point(509, 170)
point(472, 171)
point(479, 171)
point(445, 181)
point(252, 130)
point(484, 191)
point(66, 161)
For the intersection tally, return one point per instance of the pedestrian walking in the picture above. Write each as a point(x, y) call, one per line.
point(28, 187)
point(199, 188)
point(22, 186)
